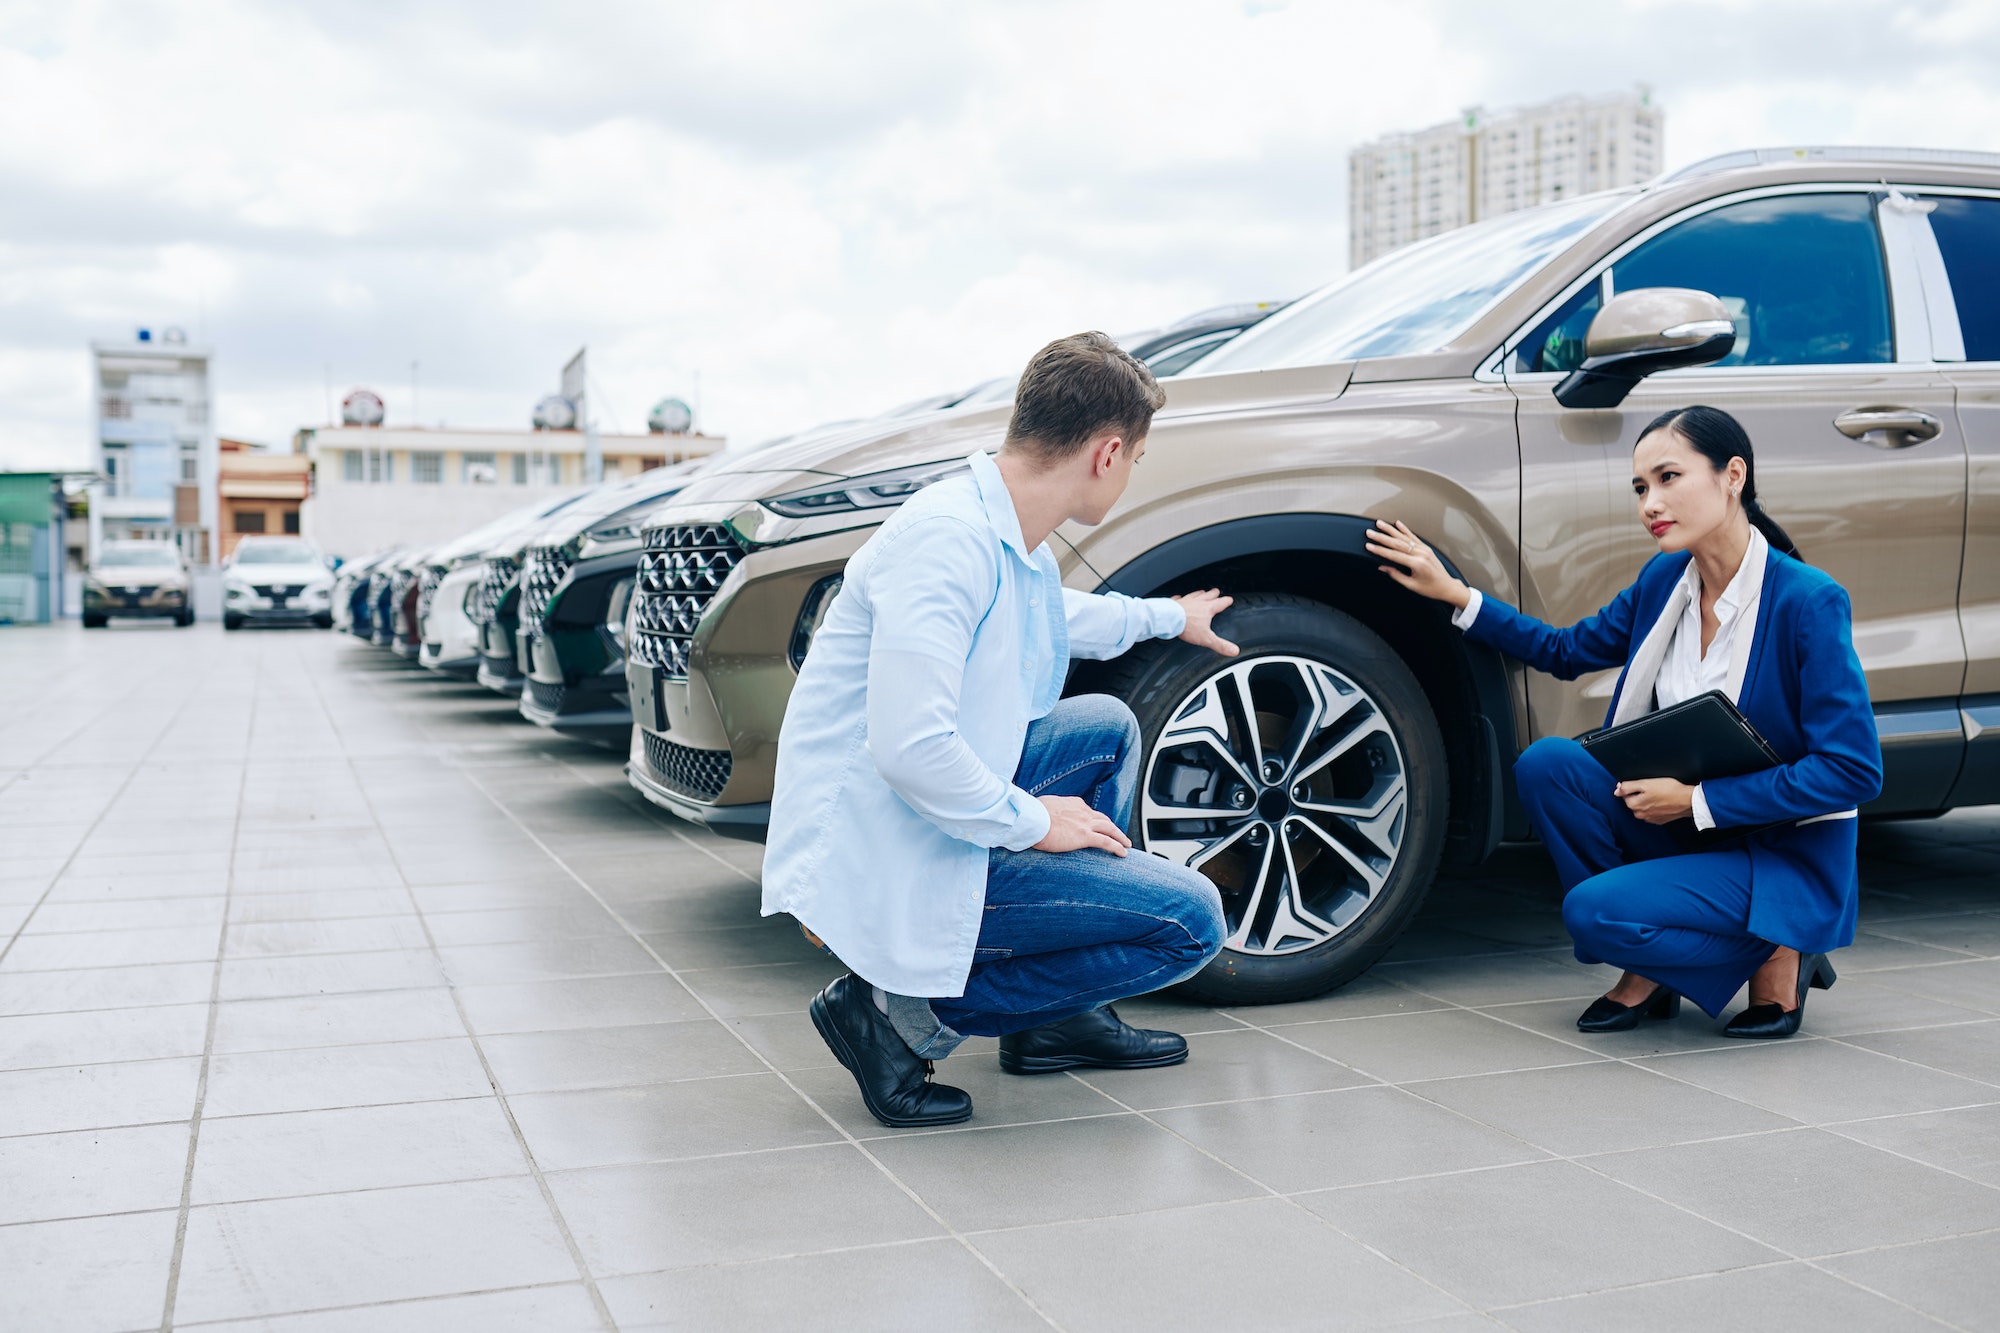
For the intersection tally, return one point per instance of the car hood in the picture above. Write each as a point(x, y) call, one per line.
point(129, 575)
point(280, 573)
point(876, 446)
point(656, 485)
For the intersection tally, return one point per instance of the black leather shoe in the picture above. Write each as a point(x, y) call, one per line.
point(1762, 1022)
point(895, 1082)
point(1095, 1039)
point(1607, 1015)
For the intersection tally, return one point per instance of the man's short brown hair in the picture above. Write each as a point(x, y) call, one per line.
point(1076, 387)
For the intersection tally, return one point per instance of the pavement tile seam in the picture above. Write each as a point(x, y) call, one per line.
point(1830, 1255)
point(533, 1167)
point(407, 1302)
point(1271, 1191)
point(1500, 1312)
point(936, 1217)
point(207, 1056)
point(1915, 1064)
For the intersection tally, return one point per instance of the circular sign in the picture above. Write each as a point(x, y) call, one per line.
point(362, 407)
point(670, 416)
point(555, 412)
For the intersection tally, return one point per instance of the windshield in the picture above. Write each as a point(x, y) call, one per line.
point(1417, 299)
point(276, 553)
point(152, 555)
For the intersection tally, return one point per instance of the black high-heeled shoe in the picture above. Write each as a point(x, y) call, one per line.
point(1762, 1022)
point(1607, 1015)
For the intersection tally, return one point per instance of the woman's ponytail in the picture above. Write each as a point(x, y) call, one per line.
point(1719, 437)
point(1780, 539)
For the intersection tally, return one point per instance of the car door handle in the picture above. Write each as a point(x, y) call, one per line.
point(1888, 427)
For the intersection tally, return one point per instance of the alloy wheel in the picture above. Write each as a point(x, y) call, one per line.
point(1281, 780)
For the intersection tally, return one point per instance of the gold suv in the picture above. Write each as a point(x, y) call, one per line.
point(1486, 386)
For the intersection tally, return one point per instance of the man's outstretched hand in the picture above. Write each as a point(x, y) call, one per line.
point(1202, 608)
point(1074, 825)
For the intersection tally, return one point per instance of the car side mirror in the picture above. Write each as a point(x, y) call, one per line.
point(1642, 331)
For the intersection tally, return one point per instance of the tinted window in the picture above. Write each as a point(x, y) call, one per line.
point(1558, 343)
point(1416, 299)
point(1801, 275)
point(1968, 232)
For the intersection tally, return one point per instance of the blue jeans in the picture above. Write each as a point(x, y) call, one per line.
point(1064, 932)
point(1633, 897)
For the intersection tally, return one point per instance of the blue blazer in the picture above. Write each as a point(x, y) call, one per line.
point(1804, 691)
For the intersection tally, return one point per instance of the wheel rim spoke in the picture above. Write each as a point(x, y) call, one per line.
point(1281, 779)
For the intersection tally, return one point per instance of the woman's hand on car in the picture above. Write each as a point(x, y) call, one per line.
point(1656, 800)
point(1202, 608)
point(1415, 565)
point(1075, 824)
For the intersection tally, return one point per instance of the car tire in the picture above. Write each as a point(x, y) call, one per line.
point(231, 621)
point(323, 621)
point(1350, 793)
point(184, 618)
point(94, 622)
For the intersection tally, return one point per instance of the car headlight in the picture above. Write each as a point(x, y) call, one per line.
point(625, 524)
point(877, 490)
point(812, 615)
point(236, 587)
point(617, 607)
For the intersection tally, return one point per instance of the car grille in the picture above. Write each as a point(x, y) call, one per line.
point(678, 577)
point(274, 589)
point(546, 567)
point(701, 774)
point(492, 589)
point(547, 697)
point(427, 587)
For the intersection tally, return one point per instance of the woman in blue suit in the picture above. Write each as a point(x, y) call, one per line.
point(1726, 605)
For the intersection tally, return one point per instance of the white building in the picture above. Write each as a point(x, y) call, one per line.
point(156, 445)
point(377, 486)
point(1405, 187)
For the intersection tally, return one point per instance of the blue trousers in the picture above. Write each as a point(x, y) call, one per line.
point(1068, 931)
point(1632, 897)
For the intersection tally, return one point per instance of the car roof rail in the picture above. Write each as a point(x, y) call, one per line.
point(1757, 157)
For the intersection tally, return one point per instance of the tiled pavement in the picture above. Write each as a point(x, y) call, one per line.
point(337, 997)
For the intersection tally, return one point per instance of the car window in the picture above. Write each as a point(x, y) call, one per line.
point(1968, 233)
point(1801, 276)
point(1416, 299)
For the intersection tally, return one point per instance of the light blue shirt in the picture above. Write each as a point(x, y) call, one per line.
point(895, 762)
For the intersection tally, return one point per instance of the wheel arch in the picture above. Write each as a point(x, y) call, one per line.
point(1324, 557)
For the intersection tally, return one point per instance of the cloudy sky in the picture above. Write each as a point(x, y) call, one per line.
point(808, 209)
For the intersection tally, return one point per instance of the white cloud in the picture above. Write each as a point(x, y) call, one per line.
point(820, 209)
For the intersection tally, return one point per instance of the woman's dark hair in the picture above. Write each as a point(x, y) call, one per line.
point(1719, 437)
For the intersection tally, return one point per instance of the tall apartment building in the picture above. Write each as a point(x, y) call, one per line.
point(1405, 187)
point(156, 449)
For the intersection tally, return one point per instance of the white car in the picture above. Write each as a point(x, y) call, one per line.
point(277, 580)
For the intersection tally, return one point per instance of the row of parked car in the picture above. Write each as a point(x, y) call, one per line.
point(535, 604)
point(1487, 387)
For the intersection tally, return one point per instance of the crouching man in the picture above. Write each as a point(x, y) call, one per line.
point(943, 820)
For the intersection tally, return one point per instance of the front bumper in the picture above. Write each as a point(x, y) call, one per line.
point(748, 822)
point(593, 702)
point(706, 746)
point(312, 605)
point(498, 671)
point(575, 664)
point(138, 603)
point(451, 640)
